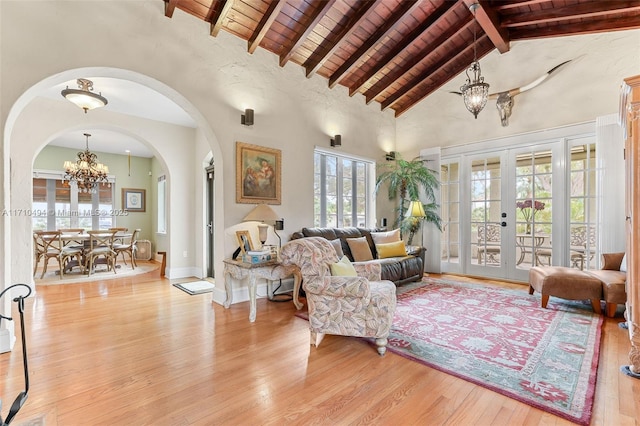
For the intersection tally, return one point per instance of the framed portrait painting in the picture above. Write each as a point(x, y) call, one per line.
point(258, 171)
point(133, 200)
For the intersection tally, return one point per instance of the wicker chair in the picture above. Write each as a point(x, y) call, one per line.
point(361, 306)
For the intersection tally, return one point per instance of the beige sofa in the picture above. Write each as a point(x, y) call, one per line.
point(613, 281)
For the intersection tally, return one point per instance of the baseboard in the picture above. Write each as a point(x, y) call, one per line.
point(186, 272)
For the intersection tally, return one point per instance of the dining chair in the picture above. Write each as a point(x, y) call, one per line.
point(38, 250)
point(68, 233)
point(119, 230)
point(129, 248)
point(100, 247)
point(50, 244)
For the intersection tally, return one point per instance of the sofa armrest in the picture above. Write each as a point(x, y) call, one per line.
point(335, 286)
point(417, 251)
point(372, 271)
point(612, 261)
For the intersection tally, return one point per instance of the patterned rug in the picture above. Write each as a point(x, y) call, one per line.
point(503, 340)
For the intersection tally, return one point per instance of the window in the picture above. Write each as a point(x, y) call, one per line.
point(342, 190)
point(56, 205)
point(162, 205)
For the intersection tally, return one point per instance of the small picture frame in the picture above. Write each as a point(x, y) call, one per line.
point(244, 241)
point(134, 200)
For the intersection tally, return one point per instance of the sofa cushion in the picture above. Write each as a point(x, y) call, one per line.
point(360, 249)
point(343, 268)
point(394, 249)
point(385, 237)
point(328, 233)
point(337, 245)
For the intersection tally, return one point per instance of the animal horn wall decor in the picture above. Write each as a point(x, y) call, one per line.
point(504, 100)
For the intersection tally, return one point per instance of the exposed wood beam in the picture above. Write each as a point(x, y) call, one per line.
point(434, 48)
point(489, 20)
point(169, 7)
point(218, 15)
point(315, 62)
point(418, 32)
point(516, 4)
point(604, 25)
point(318, 14)
point(579, 11)
point(265, 23)
point(424, 75)
point(405, 9)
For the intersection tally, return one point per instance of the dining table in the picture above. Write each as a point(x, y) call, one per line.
point(83, 239)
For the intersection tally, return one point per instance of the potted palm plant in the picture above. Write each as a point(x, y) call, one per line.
point(407, 181)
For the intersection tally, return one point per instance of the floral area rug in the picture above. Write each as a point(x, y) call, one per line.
point(503, 340)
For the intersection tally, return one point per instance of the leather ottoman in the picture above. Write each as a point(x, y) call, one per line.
point(566, 283)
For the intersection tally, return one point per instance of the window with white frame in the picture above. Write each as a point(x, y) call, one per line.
point(162, 205)
point(343, 188)
point(58, 205)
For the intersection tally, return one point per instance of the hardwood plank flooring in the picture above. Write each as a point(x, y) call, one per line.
point(138, 351)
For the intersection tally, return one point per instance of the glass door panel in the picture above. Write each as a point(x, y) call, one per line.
point(450, 214)
point(485, 225)
point(533, 176)
point(582, 227)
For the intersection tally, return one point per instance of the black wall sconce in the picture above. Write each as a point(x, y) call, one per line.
point(336, 140)
point(391, 156)
point(247, 118)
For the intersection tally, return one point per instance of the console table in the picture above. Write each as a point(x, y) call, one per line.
point(270, 271)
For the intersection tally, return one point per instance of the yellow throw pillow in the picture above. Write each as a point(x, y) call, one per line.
point(360, 250)
point(391, 249)
point(343, 268)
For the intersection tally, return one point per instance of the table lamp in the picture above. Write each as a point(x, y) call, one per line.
point(262, 213)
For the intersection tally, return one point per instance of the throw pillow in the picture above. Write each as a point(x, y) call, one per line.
point(337, 246)
point(623, 264)
point(360, 249)
point(391, 249)
point(386, 237)
point(343, 268)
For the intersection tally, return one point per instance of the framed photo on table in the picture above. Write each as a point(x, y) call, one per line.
point(244, 241)
point(134, 200)
point(258, 174)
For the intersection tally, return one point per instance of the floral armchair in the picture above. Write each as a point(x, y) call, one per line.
point(361, 306)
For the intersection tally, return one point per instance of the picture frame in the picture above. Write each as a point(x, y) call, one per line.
point(258, 174)
point(134, 200)
point(244, 241)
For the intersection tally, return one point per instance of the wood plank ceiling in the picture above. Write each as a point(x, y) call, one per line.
point(397, 52)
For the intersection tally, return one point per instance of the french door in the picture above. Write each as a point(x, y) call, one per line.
point(509, 210)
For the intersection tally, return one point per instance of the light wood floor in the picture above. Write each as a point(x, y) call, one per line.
point(138, 351)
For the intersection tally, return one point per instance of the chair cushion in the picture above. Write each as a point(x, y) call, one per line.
point(360, 250)
point(394, 249)
point(343, 268)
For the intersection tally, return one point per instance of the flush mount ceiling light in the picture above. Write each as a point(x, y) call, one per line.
point(475, 91)
point(83, 96)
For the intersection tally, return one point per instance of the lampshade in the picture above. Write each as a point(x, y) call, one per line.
point(262, 213)
point(84, 97)
point(416, 209)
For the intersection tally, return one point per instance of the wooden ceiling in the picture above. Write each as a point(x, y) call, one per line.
point(397, 52)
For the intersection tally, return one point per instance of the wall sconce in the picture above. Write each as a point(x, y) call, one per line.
point(336, 140)
point(247, 118)
point(391, 156)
